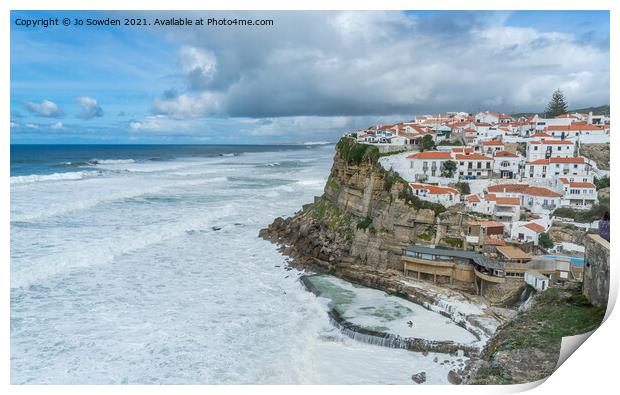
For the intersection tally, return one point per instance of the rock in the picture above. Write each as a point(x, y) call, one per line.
point(454, 378)
point(216, 228)
point(419, 378)
point(435, 359)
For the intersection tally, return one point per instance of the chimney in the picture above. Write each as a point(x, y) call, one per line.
point(590, 118)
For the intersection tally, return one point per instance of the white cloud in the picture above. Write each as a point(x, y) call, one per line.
point(46, 108)
point(382, 63)
point(32, 126)
point(14, 125)
point(57, 126)
point(89, 108)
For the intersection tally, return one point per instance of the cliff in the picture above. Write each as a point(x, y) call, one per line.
point(365, 218)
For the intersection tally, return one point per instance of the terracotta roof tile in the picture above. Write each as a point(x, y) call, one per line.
point(430, 155)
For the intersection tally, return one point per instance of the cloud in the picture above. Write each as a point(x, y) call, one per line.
point(333, 64)
point(90, 108)
point(57, 126)
point(46, 108)
point(14, 125)
point(32, 126)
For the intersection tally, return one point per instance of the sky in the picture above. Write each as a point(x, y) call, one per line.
point(309, 77)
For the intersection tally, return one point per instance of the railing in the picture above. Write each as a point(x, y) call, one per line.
point(492, 279)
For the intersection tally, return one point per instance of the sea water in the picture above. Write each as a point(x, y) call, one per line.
point(142, 265)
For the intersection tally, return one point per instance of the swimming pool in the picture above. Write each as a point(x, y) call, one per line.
point(573, 260)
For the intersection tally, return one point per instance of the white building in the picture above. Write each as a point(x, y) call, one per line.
point(574, 168)
point(428, 163)
point(575, 130)
point(542, 149)
point(539, 124)
point(527, 232)
point(507, 164)
point(436, 194)
point(538, 281)
point(489, 147)
point(472, 166)
point(538, 200)
point(579, 195)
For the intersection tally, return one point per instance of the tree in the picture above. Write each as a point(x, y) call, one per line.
point(427, 143)
point(544, 240)
point(557, 105)
point(448, 168)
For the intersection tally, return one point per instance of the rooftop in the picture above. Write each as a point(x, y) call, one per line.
point(477, 258)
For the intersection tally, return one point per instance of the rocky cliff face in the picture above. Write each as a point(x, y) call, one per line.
point(364, 219)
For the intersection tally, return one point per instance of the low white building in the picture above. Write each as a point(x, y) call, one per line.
point(544, 148)
point(579, 195)
point(436, 194)
point(428, 163)
point(507, 164)
point(473, 166)
point(575, 168)
point(575, 130)
point(538, 200)
point(536, 280)
point(527, 232)
point(490, 147)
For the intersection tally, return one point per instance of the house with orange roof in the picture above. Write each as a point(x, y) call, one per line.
point(536, 199)
point(507, 164)
point(583, 132)
point(527, 232)
point(573, 168)
point(436, 194)
point(547, 148)
point(489, 147)
point(500, 208)
point(428, 163)
point(473, 166)
point(579, 195)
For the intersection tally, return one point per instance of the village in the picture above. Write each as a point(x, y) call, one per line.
point(519, 175)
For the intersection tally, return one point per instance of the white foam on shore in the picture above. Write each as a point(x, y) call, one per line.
point(151, 277)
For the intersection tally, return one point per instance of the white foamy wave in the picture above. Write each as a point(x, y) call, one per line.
point(111, 161)
point(75, 175)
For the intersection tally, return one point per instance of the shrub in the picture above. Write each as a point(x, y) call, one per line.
point(544, 240)
point(364, 223)
point(355, 153)
point(463, 187)
point(453, 241)
point(595, 213)
point(601, 182)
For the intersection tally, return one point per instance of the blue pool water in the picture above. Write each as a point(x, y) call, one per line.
point(574, 261)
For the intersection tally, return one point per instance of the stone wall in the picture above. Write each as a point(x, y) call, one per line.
point(596, 270)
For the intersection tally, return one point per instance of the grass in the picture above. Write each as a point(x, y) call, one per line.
point(364, 223)
point(557, 313)
point(454, 242)
point(585, 216)
point(356, 153)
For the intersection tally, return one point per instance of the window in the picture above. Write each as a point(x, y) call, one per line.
point(536, 148)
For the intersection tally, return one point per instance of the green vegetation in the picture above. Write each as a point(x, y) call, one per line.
point(407, 195)
point(544, 240)
point(427, 143)
point(390, 178)
point(463, 187)
point(333, 184)
point(556, 313)
point(450, 142)
point(355, 153)
point(584, 216)
point(601, 182)
point(448, 168)
point(454, 242)
point(557, 105)
point(364, 223)
point(427, 235)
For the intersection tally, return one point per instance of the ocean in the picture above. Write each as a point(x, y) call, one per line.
point(143, 265)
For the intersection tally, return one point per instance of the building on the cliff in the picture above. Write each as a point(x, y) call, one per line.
point(443, 195)
point(444, 265)
point(596, 270)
